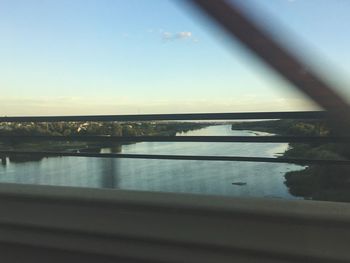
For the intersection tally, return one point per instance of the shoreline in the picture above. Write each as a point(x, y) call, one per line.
point(86, 147)
point(314, 182)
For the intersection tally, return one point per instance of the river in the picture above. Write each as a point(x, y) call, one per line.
point(205, 177)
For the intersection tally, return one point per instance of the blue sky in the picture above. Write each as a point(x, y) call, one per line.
point(156, 56)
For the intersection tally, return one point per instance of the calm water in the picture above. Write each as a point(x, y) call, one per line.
point(261, 179)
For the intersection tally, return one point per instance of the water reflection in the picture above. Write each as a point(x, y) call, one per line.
point(207, 177)
point(109, 173)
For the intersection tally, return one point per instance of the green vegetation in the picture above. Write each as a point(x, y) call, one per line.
point(84, 129)
point(285, 127)
point(316, 182)
point(98, 128)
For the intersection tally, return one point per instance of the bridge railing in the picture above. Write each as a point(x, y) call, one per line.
point(301, 115)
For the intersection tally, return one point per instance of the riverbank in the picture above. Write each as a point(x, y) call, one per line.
point(64, 129)
point(316, 182)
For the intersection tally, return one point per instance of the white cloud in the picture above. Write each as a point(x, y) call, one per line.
point(183, 35)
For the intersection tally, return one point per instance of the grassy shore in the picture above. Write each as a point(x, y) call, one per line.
point(316, 182)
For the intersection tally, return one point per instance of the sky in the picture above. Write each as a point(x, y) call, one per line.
point(69, 57)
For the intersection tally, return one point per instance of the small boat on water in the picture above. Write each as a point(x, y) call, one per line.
point(239, 183)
